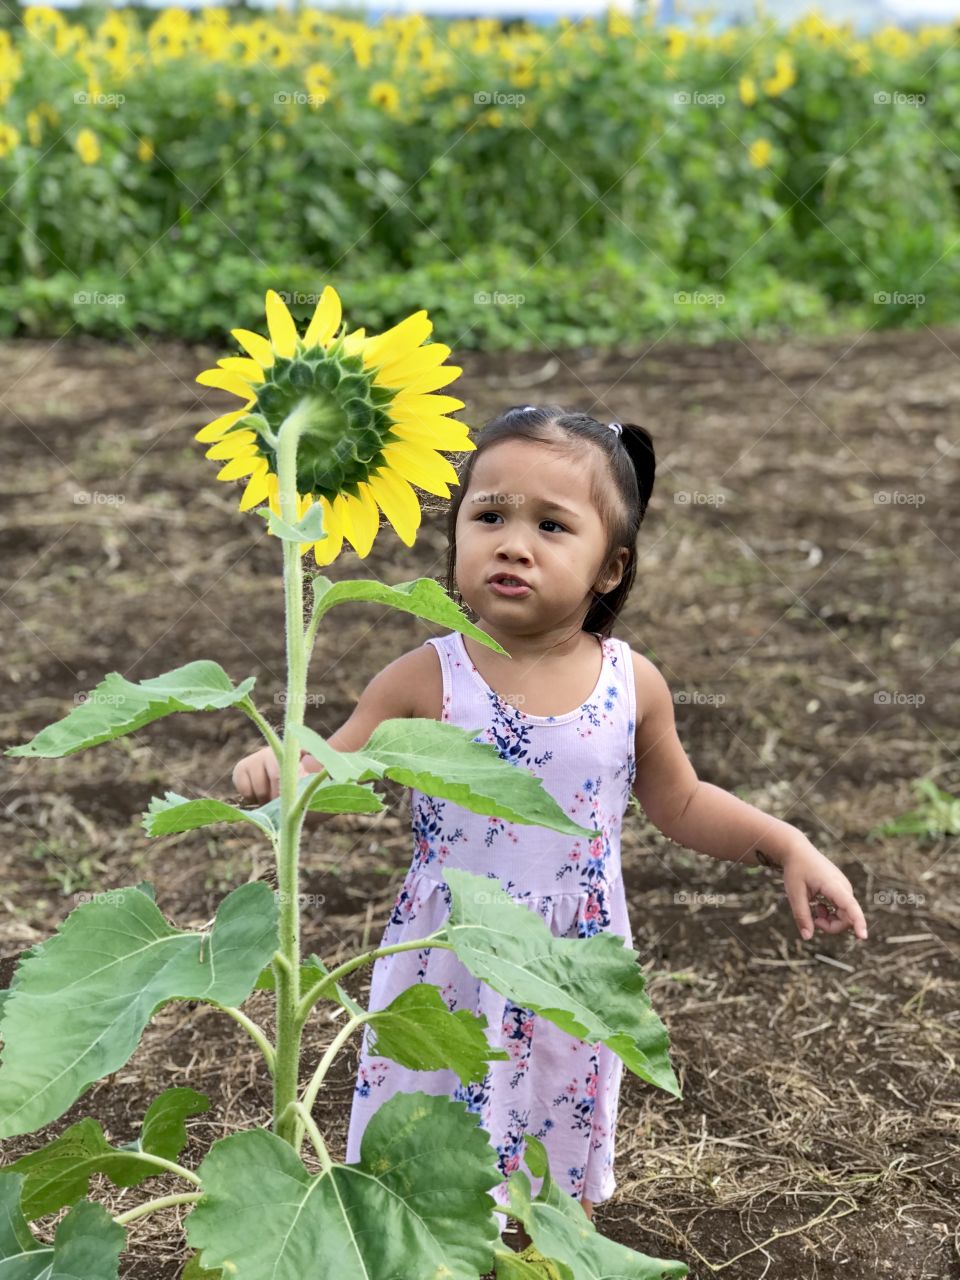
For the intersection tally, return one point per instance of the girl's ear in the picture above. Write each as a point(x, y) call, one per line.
point(615, 570)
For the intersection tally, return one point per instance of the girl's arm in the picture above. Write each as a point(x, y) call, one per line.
point(707, 819)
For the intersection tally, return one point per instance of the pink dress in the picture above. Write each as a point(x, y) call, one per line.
point(563, 1090)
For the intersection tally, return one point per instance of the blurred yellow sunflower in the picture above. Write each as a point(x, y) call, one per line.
point(375, 428)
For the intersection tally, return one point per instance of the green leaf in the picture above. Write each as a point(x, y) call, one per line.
point(194, 1271)
point(116, 706)
point(423, 597)
point(559, 1228)
point(86, 1246)
point(81, 999)
point(416, 1204)
point(418, 1030)
point(308, 529)
point(176, 813)
point(164, 1132)
point(442, 760)
point(60, 1172)
point(592, 988)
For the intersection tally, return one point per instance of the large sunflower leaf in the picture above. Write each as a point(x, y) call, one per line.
point(175, 813)
point(60, 1172)
point(442, 760)
point(416, 1204)
point(423, 596)
point(117, 706)
point(86, 1246)
point(418, 1030)
point(559, 1228)
point(81, 999)
point(194, 1271)
point(592, 988)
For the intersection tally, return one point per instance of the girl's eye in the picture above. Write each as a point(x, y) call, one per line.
point(484, 514)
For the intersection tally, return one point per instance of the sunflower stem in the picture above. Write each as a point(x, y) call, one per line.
point(288, 1029)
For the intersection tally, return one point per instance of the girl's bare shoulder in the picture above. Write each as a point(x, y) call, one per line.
point(418, 672)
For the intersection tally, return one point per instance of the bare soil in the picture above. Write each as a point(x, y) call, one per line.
point(808, 629)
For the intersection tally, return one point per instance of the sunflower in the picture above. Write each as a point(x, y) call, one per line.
point(375, 430)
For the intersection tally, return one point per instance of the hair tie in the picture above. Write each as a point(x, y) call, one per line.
point(617, 427)
point(527, 407)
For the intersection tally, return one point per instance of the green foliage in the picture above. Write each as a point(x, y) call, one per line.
point(573, 214)
point(80, 1000)
point(60, 1173)
point(117, 706)
point(938, 815)
point(415, 1204)
point(590, 987)
point(87, 1242)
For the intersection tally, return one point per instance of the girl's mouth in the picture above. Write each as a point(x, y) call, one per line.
point(505, 589)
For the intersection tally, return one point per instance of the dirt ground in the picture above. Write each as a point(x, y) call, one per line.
point(808, 629)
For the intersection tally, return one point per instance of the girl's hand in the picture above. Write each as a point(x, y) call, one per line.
point(257, 776)
point(812, 880)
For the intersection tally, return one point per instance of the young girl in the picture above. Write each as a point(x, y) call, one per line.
point(542, 552)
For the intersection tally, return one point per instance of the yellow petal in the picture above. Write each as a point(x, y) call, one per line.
point(238, 467)
point(215, 429)
point(248, 369)
point(326, 319)
point(422, 467)
point(406, 406)
point(435, 433)
point(398, 341)
point(236, 445)
point(354, 342)
point(257, 489)
point(283, 332)
point(304, 503)
point(398, 503)
point(361, 519)
point(431, 379)
point(327, 550)
point(413, 364)
point(255, 345)
point(224, 381)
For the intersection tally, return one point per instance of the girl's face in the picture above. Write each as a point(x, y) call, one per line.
point(527, 513)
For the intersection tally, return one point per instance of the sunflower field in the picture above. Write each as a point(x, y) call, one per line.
point(582, 182)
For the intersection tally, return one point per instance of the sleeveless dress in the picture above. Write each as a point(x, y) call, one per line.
point(563, 1090)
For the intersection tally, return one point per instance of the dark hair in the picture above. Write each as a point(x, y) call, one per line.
point(629, 463)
